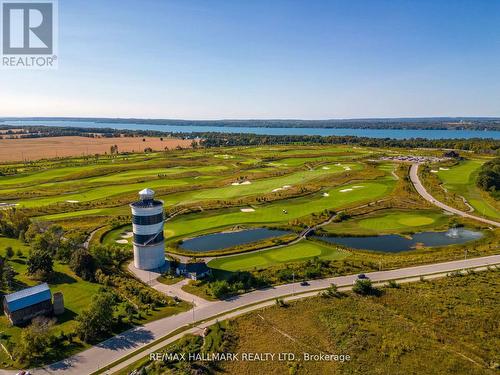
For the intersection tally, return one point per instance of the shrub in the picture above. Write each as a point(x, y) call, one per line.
point(9, 252)
point(83, 264)
point(96, 322)
point(40, 264)
point(393, 284)
point(365, 288)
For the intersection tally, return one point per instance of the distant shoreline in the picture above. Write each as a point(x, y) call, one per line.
point(426, 123)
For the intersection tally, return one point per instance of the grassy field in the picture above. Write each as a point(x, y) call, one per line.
point(436, 327)
point(269, 184)
point(461, 180)
point(391, 221)
point(299, 252)
point(358, 193)
point(117, 234)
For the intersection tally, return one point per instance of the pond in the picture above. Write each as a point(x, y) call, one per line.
point(394, 243)
point(223, 240)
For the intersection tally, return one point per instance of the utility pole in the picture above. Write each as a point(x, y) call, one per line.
point(293, 283)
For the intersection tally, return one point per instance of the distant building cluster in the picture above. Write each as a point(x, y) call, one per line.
point(414, 159)
point(26, 304)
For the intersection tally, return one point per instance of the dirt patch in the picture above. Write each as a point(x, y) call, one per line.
point(51, 147)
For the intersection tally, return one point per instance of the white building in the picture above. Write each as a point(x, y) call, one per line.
point(147, 225)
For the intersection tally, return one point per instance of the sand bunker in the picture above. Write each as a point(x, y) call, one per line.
point(434, 171)
point(121, 241)
point(325, 168)
point(127, 235)
point(444, 169)
point(326, 194)
point(7, 205)
point(241, 183)
point(346, 168)
point(345, 190)
point(72, 201)
point(357, 186)
point(284, 187)
point(247, 210)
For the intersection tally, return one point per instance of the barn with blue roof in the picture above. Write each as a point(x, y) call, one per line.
point(22, 306)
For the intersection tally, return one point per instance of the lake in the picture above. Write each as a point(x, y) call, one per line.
point(372, 133)
point(393, 243)
point(223, 240)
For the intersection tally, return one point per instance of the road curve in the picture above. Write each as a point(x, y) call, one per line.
point(421, 190)
point(134, 339)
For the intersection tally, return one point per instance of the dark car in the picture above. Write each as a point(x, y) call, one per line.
point(304, 283)
point(361, 276)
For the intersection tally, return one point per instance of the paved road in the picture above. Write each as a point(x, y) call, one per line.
point(151, 278)
point(421, 190)
point(128, 342)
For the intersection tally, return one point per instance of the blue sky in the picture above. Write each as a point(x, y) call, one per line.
point(266, 59)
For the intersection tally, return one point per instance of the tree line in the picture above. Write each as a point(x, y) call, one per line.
point(488, 178)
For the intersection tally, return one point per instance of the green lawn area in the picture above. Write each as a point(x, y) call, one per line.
point(361, 192)
point(103, 192)
point(264, 186)
point(461, 180)
point(391, 221)
point(112, 236)
point(301, 251)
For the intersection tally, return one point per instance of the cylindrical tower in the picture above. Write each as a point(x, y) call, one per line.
point(147, 225)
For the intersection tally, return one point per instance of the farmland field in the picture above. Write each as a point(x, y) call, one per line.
point(43, 148)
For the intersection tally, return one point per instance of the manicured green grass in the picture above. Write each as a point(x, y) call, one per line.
point(188, 225)
point(399, 220)
point(298, 252)
point(104, 192)
point(391, 221)
point(461, 180)
point(112, 236)
point(264, 186)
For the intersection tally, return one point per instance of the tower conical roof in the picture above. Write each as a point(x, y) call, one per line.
point(146, 194)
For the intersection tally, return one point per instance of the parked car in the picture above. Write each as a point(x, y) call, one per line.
point(304, 283)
